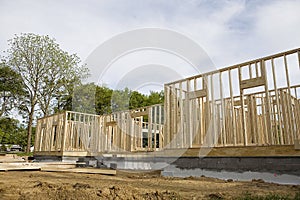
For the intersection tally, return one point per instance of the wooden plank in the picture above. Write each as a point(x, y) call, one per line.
point(181, 104)
point(285, 117)
point(268, 109)
point(150, 128)
point(155, 126)
point(250, 70)
point(299, 58)
point(223, 129)
point(277, 102)
point(111, 123)
point(64, 134)
point(244, 130)
point(197, 94)
point(175, 107)
point(19, 167)
point(188, 116)
point(291, 129)
point(161, 136)
point(135, 114)
point(207, 115)
point(213, 113)
point(232, 109)
point(256, 69)
point(173, 135)
point(82, 170)
point(196, 117)
point(167, 115)
point(253, 82)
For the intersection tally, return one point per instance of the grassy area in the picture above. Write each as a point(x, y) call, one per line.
point(249, 196)
point(24, 154)
point(18, 153)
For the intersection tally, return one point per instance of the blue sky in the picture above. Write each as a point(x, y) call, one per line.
point(228, 31)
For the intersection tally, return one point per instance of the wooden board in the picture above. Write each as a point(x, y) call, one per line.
point(19, 167)
point(253, 82)
point(139, 114)
point(82, 170)
point(197, 94)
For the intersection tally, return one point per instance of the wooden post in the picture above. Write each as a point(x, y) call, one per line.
point(277, 103)
point(189, 116)
point(299, 58)
point(223, 130)
point(244, 130)
point(63, 141)
point(150, 129)
point(268, 113)
point(213, 112)
point(161, 136)
point(232, 108)
point(155, 126)
point(289, 102)
point(181, 128)
point(167, 116)
point(196, 121)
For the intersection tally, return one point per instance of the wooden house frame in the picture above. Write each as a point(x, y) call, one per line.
point(256, 103)
point(80, 134)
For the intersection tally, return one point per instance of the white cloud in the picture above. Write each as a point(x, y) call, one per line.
point(230, 31)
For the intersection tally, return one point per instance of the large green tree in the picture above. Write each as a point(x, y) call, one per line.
point(45, 70)
point(11, 87)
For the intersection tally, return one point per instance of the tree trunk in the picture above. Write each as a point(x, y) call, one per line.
point(29, 129)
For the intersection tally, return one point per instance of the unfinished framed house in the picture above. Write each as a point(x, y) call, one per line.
point(80, 134)
point(256, 103)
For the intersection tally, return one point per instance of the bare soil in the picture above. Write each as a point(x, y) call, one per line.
point(128, 185)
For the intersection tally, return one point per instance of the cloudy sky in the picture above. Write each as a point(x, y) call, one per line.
point(228, 31)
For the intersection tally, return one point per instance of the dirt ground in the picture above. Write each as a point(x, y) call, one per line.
point(128, 185)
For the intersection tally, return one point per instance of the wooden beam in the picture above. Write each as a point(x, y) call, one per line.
point(197, 94)
point(111, 123)
point(135, 114)
point(253, 82)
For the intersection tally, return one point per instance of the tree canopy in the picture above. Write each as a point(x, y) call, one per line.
point(11, 87)
point(11, 132)
point(108, 100)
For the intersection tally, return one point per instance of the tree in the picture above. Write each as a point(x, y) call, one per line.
point(11, 132)
point(11, 87)
point(103, 97)
point(45, 69)
point(120, 100)
point(155, 98)
point(84, 100)
point(137, 100)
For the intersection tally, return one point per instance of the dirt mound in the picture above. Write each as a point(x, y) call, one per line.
point(45, 190)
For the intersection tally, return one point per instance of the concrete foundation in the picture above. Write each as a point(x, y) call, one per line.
point(232, 161)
